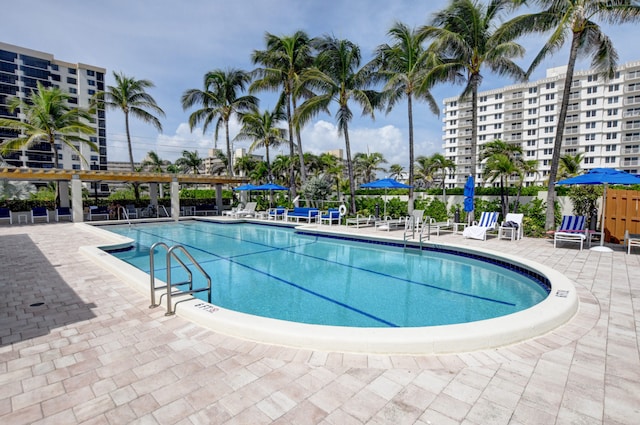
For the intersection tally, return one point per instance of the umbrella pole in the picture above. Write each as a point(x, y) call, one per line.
point(601, 247)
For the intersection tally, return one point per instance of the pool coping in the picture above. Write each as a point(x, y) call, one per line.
point(556, 310)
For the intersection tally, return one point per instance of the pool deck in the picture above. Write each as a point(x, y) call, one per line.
point(94, 353)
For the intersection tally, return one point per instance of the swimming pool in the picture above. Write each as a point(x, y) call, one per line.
point(285, 274)
point(555, 310)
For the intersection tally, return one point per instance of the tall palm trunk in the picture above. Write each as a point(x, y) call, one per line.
point(475, 82)
point(292, 177)
point(136, 186)
point(550, 222)
point(352, 182)
point(411, 159)
point(303, 169)
point(229, 160)
point(56, 164)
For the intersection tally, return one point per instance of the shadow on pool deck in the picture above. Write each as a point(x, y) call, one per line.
point(45, 302)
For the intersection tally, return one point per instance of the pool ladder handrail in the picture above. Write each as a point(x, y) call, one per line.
point(125, 214)
point(424, 231)
point(171, 253)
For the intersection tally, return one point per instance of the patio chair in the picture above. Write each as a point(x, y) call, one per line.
point(572, 229)
point(62, 212)
point(39, 213)
point(631, 240)
point(511, 227)
point(389, 223)
point(131, 210)
point(487, 223)
point(277, 213)
point(6, 214)
point(332, 215)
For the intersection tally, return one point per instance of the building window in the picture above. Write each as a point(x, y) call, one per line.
point(592, 102)
point(91, 73)
point(483, 98)
point(549, 108)
point(453, 104)
point(497, 116)
point(609, 159)
point(612, 124)
point(71, 80)
point(614, 87)
point(547, 151)
point(612, 99)
point(91, 82)
point(531, 132)
point(533, 101)
point(497, 126)
point(482, 128)
point(91, 92)
point(590, 125)
point(550, 96)
point(498, 96)
point(72, 71)
point(590, 114)
point(590, 137)
point(591, 90)
point(532, 111)
point(483, 109)
point(533, 90)
point(548, 130)
point(482, 118)
point(453, 113)
point(550, 118)
point(592, 78)
point(589, 160)
point(532, 121)
point(550, 86)
point(611, 148)
point(611, 112)
point(498, 106)
point(612, 136)
point(73, 90)
point(590, 149)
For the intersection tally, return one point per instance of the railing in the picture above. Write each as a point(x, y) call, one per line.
point(423, 227)
point(125, 214)
point(171, 254)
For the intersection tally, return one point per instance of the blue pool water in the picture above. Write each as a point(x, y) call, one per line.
point(275, 272)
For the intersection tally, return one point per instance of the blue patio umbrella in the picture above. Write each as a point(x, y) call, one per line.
point(469, 192)
point(603, 176)
point(385, 184)
point(270, 187)
point(247, 186)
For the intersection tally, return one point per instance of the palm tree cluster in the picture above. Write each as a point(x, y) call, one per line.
point(327, 75)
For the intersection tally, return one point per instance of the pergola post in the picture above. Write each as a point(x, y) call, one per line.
point(63, 191)
point(76, 199)
point(219, 198)
point(175, 199)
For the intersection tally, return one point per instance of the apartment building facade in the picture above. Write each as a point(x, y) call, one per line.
point(603, 122)
point(20, 71)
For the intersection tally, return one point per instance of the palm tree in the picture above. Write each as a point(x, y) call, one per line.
point(338, 78)
point(570, 165)
point(367, 164)
point(466, 34)
point(129, 95)
point(280, 168)
point(406, 68)
point(154, 163)
point(439, 163)
point(220, 101)
point(395, 171)
point(525, 167)
point(49, 119)
point(245, 165)
point(190, 162)
point(261, 128)
point(284, 59)
point(502, 161)
point(575, 18)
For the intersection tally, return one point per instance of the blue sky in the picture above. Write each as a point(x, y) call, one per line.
point(174, 44)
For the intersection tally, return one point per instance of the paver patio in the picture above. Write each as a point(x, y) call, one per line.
point(94, 353)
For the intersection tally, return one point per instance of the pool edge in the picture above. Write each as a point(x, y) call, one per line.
point(557, 309)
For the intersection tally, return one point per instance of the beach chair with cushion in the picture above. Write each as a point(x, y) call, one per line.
point(6, 215)
point(62, 212)
point(487, 223)
point(331, 216)
point(132, 212)
point(277, 213)
point(572, 229)
point(511, 227)
point(39, 213)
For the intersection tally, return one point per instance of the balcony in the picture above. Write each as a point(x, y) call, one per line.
point(631, 138)
point(517, 95)
point(632, 113)
point(513, 117)
point(632, 125)
point(514, 127)
point(513, 137)
point(632, 88)
point(512, 107)
point(632, 100)
point(629, 150)
point(630, 162)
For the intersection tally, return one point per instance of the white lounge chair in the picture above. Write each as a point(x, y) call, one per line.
point(572, 229)
point(391, 223)
point(487, 223)
point(248, 211)
point(6, 214)
point(360, 220)
point(511, 227)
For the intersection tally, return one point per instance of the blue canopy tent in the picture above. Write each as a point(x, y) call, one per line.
point(469, 192)
point(385, 184)
point(603, 176)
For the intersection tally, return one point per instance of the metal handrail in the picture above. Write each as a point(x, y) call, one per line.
point(410, 229)
point(172, 254)
point(125, 214)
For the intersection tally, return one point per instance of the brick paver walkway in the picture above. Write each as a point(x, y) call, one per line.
point(79, 346)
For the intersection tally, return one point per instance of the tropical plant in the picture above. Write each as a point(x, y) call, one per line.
point(367, 164)
point(280, 168)
point(574, 19)
point(316, 188)
point(220, 100)
point(262, 129)
point(189, 162)
point(284, 59)
point(48, 118)
point(130, 96)
point(468, 37)
point(584, 198)
point(438, 163)
point(245, 165)
point(406, 67)
point(338, 78)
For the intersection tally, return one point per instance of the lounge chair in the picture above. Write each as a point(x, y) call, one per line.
point(631, 240)
point(511, 227)
point(6, 214)
point(360, 220)
point(39, 213)
point(389, 223)
point(487, 223)
point(95, 212)
point(248, 211)
point(63, 212)
point(572, 229)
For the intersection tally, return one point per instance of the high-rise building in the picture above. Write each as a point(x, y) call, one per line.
point(602, 124)
point(20, 70)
